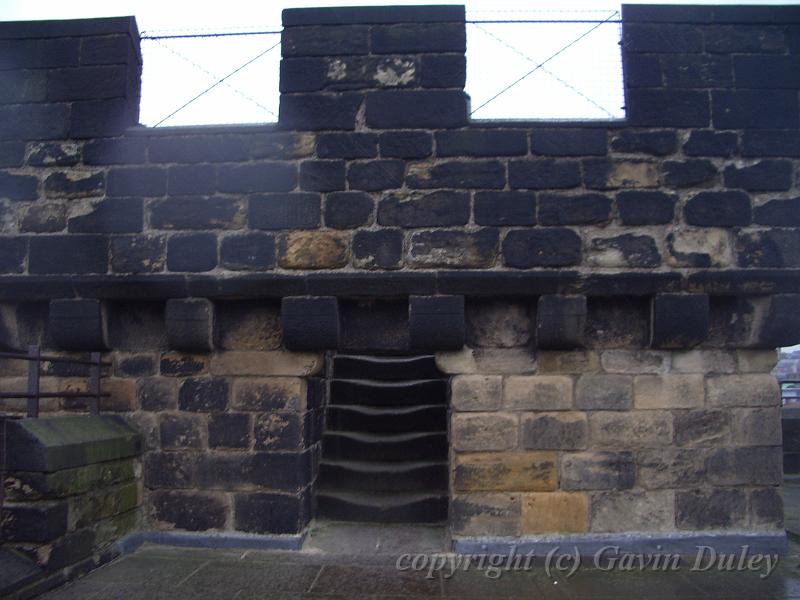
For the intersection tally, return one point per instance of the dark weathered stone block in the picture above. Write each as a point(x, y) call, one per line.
point(452, 248)
point(322, 175)
point(584, 209)
point(348, 210)
point(12, 254)
point(18, 187)
point(285, 211)
point(434, 209)
point(710, 509)
point(325, 41)
point(569, 142)
point(689, 173)
point(40, 522)
point(781, 326)
point(229, 430)
point(476, 142)
point(270, 513)
point(645, 207)
point(138, 181)
point(753, 109)
point(505, 208)
point(382, 249)
point(764, 176)
point(657, 143)
point(776, 248)
point(78, 324)
point(598, 471)
point(190, 511)
point(190, 324)
point(180, 431)
point(121, 215)
point(668, 108)
point(711, 143)
point(543, 174)
point(310, 323)
point(718, 209)
point(457, 174)
point(138, 253)
point(279, 431)
point(347, 145)
point(423, 109)
point(248, 251)
point(560, 322)
point(312, 112)
point(376, 175)
point(193, 253)
point(443, 71)
point(406, 144)
point(679, 320)
point(203, 394)
point(556, 247)
point(436, 322)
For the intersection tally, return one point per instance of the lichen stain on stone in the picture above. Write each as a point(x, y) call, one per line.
point(304, 145)
point(420, 171)
point(394, 73)
point(337, 70)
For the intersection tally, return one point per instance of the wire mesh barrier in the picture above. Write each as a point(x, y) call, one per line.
point(520, 65)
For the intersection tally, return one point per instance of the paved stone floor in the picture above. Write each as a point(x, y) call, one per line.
point(341, 561)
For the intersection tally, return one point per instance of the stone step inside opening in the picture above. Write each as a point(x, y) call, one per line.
point(385, 448)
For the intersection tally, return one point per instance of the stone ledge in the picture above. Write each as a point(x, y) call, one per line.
point(684, 544)
point(130, 543)
point(293, 17)
point(52, 444)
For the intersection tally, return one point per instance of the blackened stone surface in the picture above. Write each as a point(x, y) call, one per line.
point(18, 187)
point(436, 322)
point(138, 181)
point(424, 210)
point(348, 210)
point(543, 174)
point(754, 109)
point(285, 211)
point(505, 208)
point(478, 142)
point(560, 321)
point(782, 323)
point(180, 431)
point(322, 175)
point(556, 247)
point(312, 112)
point(310, 323)
point(645, 207)
point(401, 109)
point(710, 509)
point(194, 253)
point(764, 176)
point(382, 249)
point(347, 145)
point(203, 394)
point(771, 142)
point(718, 209)
point(248, 251)
point(191, 511)
point(776, 248)
point(453, 248)
point(189, 324)
point(376, 175)
point(779, 212)
point(457, 174)
point(444, 71)
point(711, 143)
point(229, 430)
point(269, 513)
point(78, 324)
point(68, 254)
point(668, 108)
point(689, 173)
point(569, 142)
point(406, 144)
point(121, 215)
point(583, 209)
point(137, 253)
point(679, 320)
point(657, 143)
point(12, 255)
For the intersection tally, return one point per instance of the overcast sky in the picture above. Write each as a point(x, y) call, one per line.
point(583, 81)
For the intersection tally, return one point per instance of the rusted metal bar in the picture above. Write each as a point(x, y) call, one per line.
point(34, 357)
point(94, 384)
point(50, 358)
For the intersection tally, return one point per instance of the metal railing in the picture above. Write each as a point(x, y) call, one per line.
point(35, 358)
point(790, 390)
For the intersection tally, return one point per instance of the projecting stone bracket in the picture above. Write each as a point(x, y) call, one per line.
point(78, 324)
point(679, 320)
point(190, 324)
point(436, 322)
point(310, 322)
point(560, 322)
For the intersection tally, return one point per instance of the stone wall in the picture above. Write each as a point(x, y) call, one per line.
point(607, 294)
point(72, 489)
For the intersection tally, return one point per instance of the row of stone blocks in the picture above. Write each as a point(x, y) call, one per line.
point(434, 322)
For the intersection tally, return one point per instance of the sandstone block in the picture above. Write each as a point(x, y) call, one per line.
point(506, 472)
point(604, 392)
point(555, 512)
point(266, 363)
point(538, 392)
point(635, 362)
point(640, 429)
point(597, 471)
point(757, 426)
point(671, 467)
point(711, 509)
point(574, 361)
point(756, 361)
point(476, 392)
point(613, 512)
point(475, 432)
point(703, 361)
point(485, 514)
point(668, 391)
point(269, 394)
point(313, 250)
point(702, 427)
point(745, 466)
point(554, 431)
point(743, 390)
